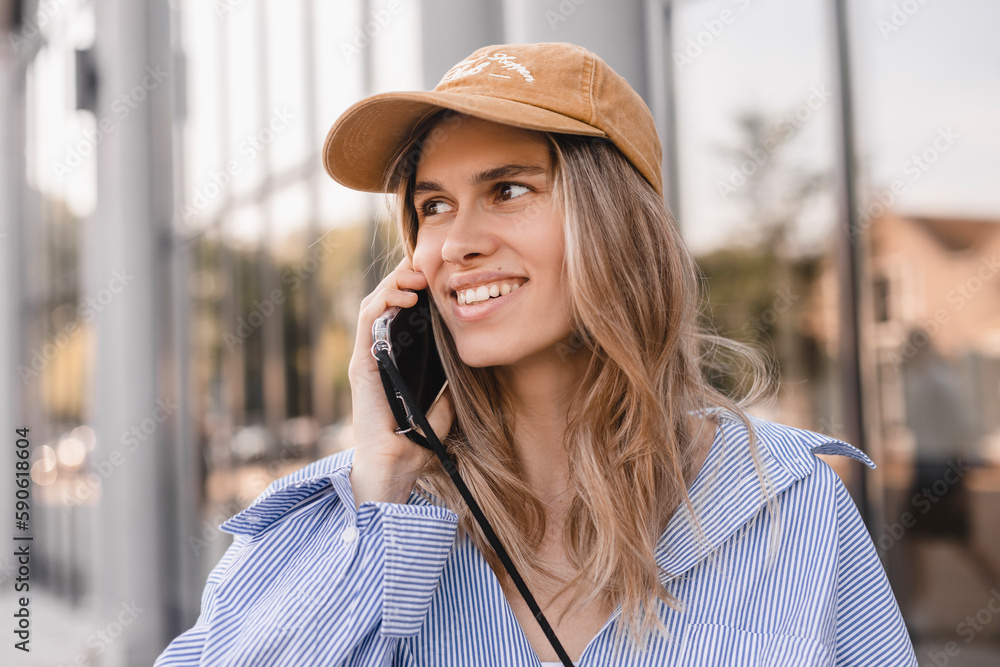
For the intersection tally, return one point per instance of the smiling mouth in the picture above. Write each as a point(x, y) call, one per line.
point(483, 293)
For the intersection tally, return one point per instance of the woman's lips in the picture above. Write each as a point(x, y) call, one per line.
point(483, 309)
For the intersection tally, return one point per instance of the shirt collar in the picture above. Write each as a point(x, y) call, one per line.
point(727, 493)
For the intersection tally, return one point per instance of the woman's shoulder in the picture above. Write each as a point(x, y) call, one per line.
point(741, 473)
point(786, 457)
point(784, 450)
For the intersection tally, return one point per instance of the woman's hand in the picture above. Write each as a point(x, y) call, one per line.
point(386, 465)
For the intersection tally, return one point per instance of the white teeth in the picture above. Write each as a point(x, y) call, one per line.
point(484, 292)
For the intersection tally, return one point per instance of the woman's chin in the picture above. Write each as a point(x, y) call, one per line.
point(485, 356)
point(483, 361)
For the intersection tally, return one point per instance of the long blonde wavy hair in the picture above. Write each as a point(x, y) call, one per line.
point(636, 308)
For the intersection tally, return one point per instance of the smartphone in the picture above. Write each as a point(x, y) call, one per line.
point(410, 336)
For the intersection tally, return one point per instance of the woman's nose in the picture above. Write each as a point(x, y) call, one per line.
point(469, 236)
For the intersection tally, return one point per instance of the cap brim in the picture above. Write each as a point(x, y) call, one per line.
point(365, 139)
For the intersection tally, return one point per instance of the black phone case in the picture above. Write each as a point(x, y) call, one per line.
point(415, 352)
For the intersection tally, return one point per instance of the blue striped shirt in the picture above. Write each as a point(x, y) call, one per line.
point(310, 580)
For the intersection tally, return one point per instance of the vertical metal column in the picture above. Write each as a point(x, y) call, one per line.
point(12, 184)
point(134, 210)
point(321, 395)
point(234, 366)
point(372, 274)
point(662, 94)
point(182, 596)
point(272, 331)
point(849, 260)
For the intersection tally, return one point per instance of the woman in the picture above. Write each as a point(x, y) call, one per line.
point(655, 522)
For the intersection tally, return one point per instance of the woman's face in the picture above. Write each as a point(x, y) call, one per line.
point(490, 242)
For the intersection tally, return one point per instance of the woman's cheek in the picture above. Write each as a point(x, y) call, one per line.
point(423, 256)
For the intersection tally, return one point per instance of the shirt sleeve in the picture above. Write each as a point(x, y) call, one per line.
point(186, 648)
point(320, 583)
point(869, 626)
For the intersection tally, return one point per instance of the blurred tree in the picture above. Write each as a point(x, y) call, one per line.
point(758, 291)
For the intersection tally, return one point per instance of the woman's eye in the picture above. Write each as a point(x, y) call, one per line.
point(436, 206)
point(508, 191)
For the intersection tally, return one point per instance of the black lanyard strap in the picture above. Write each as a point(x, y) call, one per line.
point(409, 416)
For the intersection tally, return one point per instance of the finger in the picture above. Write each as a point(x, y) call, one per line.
point(399, 279)
point(380, 301)
point(404, 271)
point(387, 298)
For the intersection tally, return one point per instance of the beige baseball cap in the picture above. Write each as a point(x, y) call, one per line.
point(552, 87)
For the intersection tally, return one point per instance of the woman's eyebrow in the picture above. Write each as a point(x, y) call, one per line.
point(506, 171)
point(426, 186)
point(492, 174)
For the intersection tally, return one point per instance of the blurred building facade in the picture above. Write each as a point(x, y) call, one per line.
point(936, 334)
point(183, 281)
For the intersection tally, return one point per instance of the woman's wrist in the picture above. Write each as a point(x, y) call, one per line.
point(381, 483)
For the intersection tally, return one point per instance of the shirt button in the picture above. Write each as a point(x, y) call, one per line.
point(349, 535)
